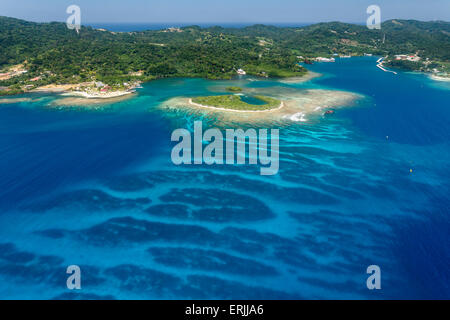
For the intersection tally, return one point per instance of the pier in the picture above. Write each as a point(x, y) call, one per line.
point(380, 65)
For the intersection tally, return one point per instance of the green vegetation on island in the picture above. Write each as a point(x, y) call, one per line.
point(50, 53)
point(437, 67)
point(235, 102)
point(10, 92)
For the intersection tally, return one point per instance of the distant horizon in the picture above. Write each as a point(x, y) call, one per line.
point(84, 23)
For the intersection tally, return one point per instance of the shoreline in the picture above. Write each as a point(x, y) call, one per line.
point(66, 89)
point(233, 110)
point(55, 88)
point(439, 78)
point(87, 95)
point(69, 90)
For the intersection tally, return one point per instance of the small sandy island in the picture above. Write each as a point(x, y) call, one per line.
point(296, 106)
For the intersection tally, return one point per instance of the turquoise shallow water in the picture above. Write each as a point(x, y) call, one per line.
point(96, 188)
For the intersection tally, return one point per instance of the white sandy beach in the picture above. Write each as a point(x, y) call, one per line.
point(439, 78)
point(98, 95)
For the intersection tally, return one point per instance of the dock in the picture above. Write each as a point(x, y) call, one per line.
point(380, 65)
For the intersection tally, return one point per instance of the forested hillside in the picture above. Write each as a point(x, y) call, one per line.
point(56, 54)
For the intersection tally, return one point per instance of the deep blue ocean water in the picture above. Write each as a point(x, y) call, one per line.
point(95, 187)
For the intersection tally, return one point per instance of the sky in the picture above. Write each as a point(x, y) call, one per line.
point(224, 11)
